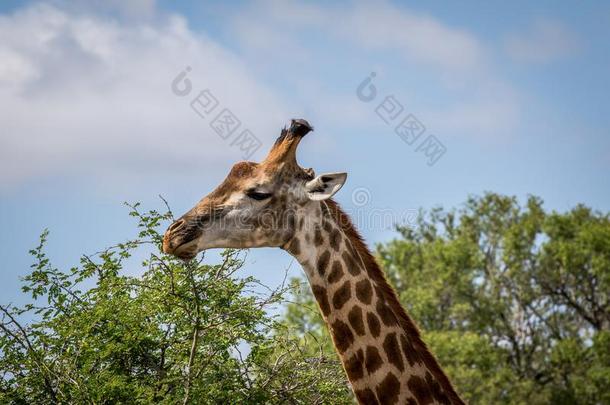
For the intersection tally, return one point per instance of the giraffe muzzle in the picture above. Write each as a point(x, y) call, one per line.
point(181, 237)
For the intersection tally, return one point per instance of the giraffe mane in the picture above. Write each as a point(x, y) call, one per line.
point(404, 320)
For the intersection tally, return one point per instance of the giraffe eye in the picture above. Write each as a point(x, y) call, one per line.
point(258, 196)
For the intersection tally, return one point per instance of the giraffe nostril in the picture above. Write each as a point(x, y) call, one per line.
point(176, 225)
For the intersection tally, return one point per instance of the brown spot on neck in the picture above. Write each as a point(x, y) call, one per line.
point(294, 247)
point(321, 298)
point(323, 263)
point(374, 325)
point(389, 389)
point(364, 291)
point(355, 319)
point(354, 366)
point(342, 295)
point(392, 350)
point(336, 273)
point(373, 360)
point(317, 238)
point(342, 335)
point(367, 397)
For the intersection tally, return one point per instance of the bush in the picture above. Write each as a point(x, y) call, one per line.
point(179, 333)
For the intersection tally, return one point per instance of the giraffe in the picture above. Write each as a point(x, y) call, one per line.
point(277, 203)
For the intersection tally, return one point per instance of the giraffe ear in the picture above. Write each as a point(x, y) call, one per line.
point(325, 186)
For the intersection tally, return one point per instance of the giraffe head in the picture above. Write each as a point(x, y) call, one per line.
point(256, 205)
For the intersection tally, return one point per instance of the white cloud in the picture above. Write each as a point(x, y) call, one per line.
point(484, 119)
point(472, 98)
point(418, 37)
point(85, 86)
point(89, 94)
point(131, 9)
point(545, 41)
point(375, 25)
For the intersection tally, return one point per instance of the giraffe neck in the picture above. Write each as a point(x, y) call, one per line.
point(379, 345)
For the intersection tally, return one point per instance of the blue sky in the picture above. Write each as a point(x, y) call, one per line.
point(516, 92)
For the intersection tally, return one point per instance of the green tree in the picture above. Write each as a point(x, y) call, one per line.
point(304, 351)
point(513, 300)
point(178, 333)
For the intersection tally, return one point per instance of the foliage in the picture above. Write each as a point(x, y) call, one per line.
point(512, 300)
point(304, 333)
point(178, 333)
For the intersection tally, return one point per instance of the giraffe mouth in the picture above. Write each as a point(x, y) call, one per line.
point(181, 239)
point(186, 251)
